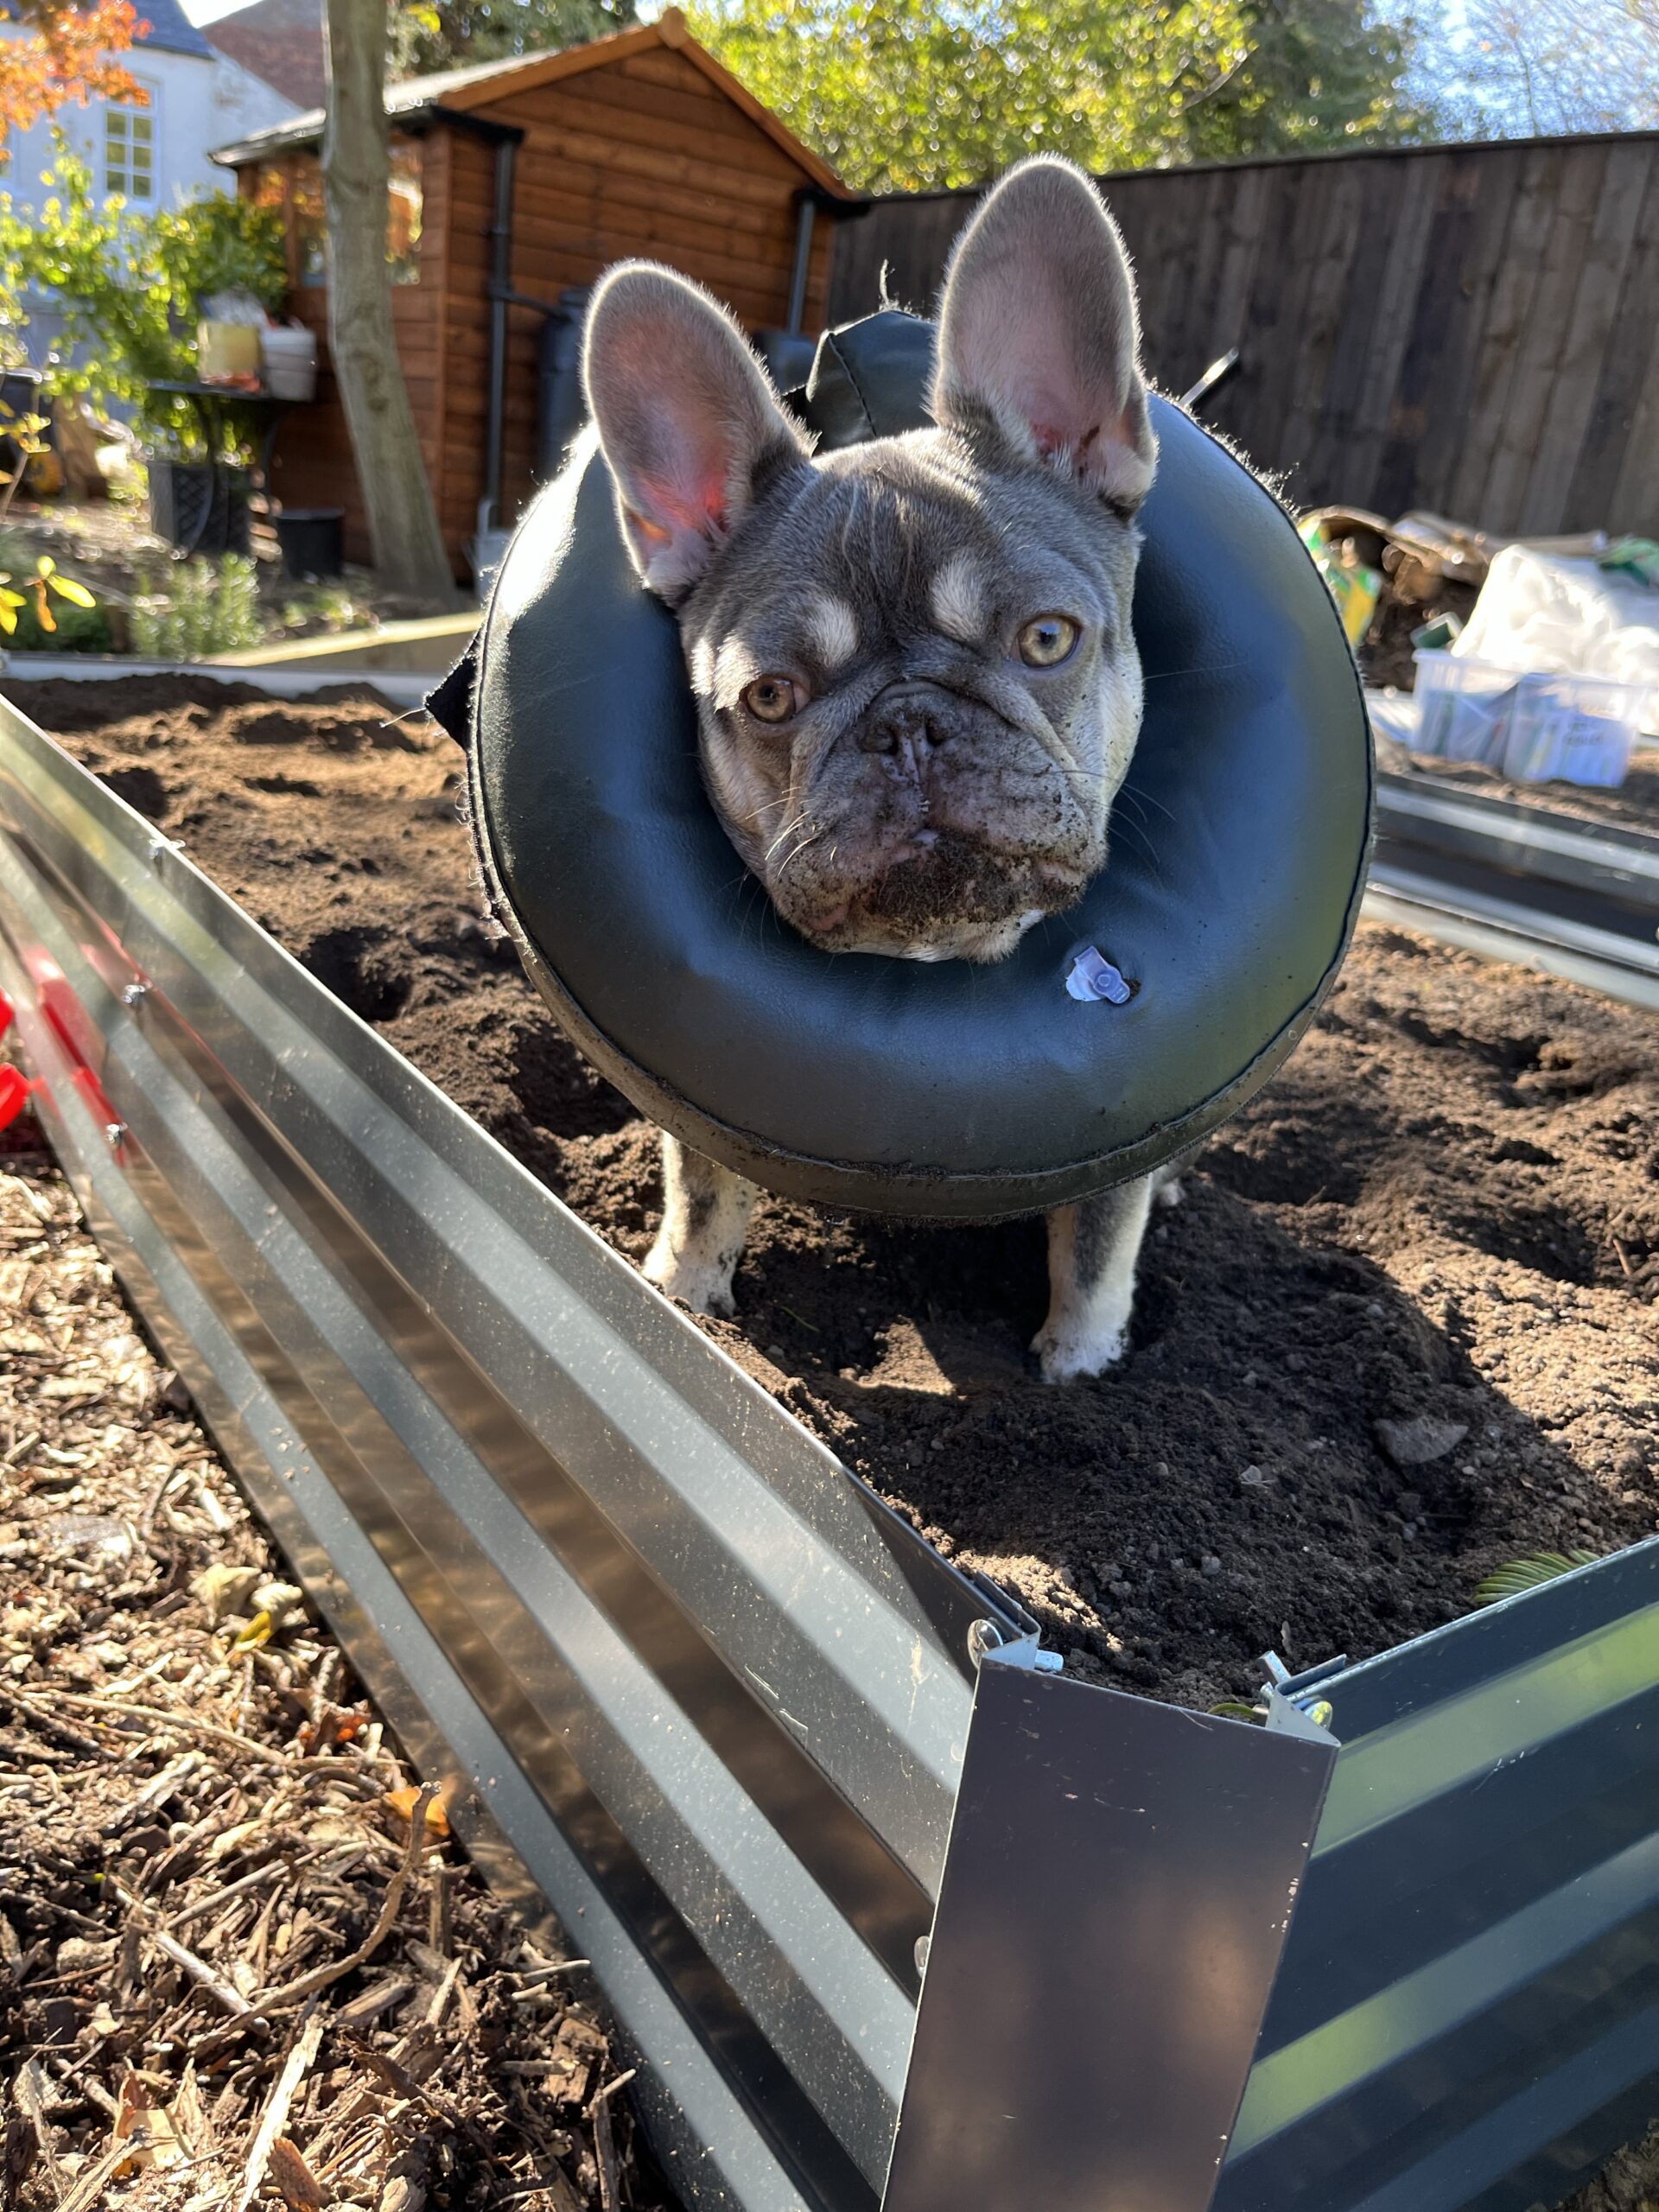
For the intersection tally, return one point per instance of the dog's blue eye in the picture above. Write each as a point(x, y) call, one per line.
point(1047, 640)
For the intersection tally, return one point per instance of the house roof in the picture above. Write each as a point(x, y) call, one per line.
point(280, 43)
point(166, 27)
point(464, 91)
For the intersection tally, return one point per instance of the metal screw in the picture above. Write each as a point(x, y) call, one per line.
point(982, 1638)
point(116, 1134)
point(158, 849)
point(924, 1944)
point(135, 994)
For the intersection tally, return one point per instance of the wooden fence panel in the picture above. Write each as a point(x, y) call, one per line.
point(1470, 329)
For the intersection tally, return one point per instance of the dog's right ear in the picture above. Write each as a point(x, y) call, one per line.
point(687, 418)
point(1038, 331)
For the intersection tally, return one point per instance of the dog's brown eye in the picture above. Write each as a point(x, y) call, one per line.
point(773, 699)
point(1048, 640)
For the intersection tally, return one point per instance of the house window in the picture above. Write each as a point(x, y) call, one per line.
point(130, 152)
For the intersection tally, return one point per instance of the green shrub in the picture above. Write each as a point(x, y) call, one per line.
point(131, 286)
point(325, 606)
point(43, 610)
point(197, 609)
point(79, 630)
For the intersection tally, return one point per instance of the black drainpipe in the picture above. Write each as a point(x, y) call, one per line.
point(806, 215)
point(505, 137)
point(500, 291)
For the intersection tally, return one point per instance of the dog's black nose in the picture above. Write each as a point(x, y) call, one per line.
point(908, 722)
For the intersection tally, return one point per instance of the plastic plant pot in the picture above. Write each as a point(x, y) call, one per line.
point(312, 540)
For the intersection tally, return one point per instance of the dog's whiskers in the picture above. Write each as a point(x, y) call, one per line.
point(788, 830)
point(1140, 798)
point(1200, 668)
point(795, 853)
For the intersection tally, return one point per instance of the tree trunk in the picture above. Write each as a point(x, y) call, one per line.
point(404, 535)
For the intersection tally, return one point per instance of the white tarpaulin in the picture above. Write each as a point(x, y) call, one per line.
point(1541, 612)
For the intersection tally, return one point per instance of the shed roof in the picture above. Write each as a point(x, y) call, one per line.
point(421, 99)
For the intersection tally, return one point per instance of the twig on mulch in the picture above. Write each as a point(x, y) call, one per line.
point(604, 2142)
point(241, 1962)
point(295, 2067)
point(278, 1998)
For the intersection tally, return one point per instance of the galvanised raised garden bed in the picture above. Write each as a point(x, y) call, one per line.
point(758, 1743)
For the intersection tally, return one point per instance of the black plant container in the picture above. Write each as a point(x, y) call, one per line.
point(198, 508)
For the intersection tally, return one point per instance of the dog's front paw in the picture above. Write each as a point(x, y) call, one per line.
point(702, 1284)
point(1070, 1354)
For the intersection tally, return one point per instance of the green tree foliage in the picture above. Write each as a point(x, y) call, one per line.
point(1319, 73)
point(432, 35)
point(904, 95)
point(129, 287)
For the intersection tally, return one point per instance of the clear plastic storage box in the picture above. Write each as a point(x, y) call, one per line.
point(1533, 728)
point(1463, 708)
point(1576, 729)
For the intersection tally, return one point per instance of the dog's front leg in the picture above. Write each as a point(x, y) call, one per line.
point(706, 1212)
point(1093, 1248)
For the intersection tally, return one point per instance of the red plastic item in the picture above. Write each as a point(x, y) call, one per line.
point(6, 1011)
point(14, 1088)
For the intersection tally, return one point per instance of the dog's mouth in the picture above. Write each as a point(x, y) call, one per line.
point(938, 888)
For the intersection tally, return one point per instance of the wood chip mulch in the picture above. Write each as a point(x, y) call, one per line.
point(241, 1961)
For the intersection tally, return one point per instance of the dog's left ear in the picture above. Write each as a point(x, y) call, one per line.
point(688, 421)
point(1037, 329)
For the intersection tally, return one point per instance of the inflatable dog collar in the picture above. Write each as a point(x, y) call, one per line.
point(1113, 1037)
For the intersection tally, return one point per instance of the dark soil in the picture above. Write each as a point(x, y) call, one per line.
point(1385, 653)
point(1634, 806)
point(1447, 1207)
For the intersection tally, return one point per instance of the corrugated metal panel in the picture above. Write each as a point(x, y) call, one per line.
point(1467, 2015)
point(739, 1682)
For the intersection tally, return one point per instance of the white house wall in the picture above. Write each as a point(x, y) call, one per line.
point(196, 104)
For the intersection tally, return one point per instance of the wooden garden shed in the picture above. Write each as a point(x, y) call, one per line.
point(512, 183)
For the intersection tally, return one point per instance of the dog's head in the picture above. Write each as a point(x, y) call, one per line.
point(916, 685)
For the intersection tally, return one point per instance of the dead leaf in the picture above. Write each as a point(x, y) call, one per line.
point(402, 1803)
point(190, 2120)
point(301, 2189)
point(283, 1601)
point(1421, 1440)
point(147, 2127)
point(224, 1589)
point(234, 1838)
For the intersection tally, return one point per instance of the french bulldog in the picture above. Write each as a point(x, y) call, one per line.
point(917, 690)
